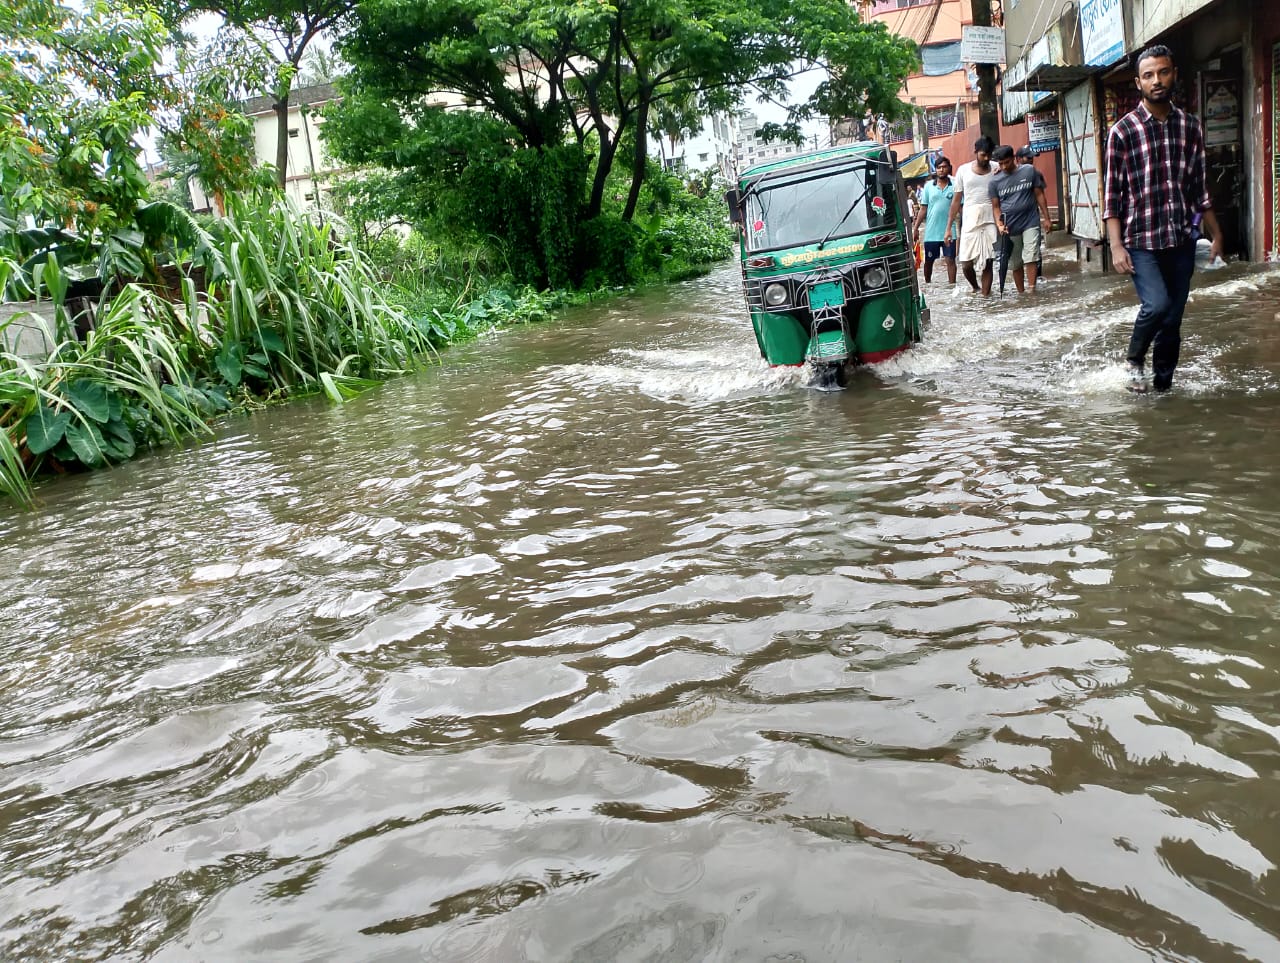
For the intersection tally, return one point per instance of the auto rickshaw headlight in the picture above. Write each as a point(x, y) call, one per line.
point(775, 295)
point(874, 277)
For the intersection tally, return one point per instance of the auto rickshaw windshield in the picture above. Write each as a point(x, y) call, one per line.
point(787, 211)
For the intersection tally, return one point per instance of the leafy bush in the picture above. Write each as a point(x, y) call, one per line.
point(287, 308)
point(675, 232)
point(701, 235)
point(611, 246)
point(455, 292)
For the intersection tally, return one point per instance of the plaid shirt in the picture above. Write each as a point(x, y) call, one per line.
point(1155, 178)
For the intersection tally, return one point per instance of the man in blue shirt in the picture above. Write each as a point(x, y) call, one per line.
point(935, 202)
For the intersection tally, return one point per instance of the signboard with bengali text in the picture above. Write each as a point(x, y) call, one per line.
point(1221, 112)
point(1102, 27)
point(982, 45)
point(1043, 131)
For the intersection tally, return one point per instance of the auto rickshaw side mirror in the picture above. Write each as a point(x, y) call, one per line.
point(887, 171)
point(734, 200)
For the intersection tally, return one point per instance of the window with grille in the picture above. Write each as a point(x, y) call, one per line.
point(942, 121)
point(900, 131)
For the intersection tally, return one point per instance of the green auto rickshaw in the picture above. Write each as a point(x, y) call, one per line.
point(828, 269)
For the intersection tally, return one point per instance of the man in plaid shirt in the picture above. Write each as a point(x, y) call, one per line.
point(1155, 185)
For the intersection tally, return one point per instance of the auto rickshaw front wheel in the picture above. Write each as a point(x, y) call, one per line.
point(831, 377)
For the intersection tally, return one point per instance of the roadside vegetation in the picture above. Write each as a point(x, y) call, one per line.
point(451, 222)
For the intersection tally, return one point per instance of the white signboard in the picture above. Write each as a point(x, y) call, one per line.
point(1102, 27)
point(982, 45)
point(1043, 131)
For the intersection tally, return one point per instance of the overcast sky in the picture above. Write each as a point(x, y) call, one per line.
point(802, 87)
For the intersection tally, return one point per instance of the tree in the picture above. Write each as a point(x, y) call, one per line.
point(293, 25)
point(674, 120)
point(79, 86)
point(76, 89)
point(319, 66)
point(212, 138)
point(599, 68)
point(485, 103)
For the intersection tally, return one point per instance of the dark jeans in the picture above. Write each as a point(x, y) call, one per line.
point(1162, 280)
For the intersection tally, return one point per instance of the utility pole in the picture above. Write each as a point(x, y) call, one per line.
point(988, 115)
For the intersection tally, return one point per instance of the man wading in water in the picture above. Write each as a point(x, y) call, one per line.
point(1021, 211)
point(933, 209)
point(978, 228)
point(1155, 186)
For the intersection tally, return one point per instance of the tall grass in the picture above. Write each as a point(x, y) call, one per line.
point(292, 301)
point(97, 400)
point(287, 308)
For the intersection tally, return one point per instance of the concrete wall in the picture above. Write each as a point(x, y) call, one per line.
point(22, 334)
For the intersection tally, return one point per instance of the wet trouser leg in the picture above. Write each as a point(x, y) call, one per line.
point(1162, 280)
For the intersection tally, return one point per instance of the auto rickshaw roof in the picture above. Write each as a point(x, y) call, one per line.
point(866, 148)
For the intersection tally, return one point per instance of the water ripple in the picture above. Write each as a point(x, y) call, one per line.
point(605, 641)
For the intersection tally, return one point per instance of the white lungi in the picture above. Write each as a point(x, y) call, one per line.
point(977, 243)
point(978, 233)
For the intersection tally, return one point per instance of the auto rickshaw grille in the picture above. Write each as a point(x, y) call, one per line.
point(901, 268)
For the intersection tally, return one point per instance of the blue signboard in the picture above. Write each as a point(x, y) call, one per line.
point(1102, 27)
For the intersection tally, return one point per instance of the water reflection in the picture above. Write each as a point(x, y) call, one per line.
point(607, 642)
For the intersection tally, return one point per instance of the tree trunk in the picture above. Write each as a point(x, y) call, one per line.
point(604, 163)
point(642, 154)
point(281, 107)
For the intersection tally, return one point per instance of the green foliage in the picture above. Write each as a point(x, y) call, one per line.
point(459, 175)
point(531, 204)
point(287, 308)
point(212, 140)
point(76, 87)
point(605, 74)
point(293, 25)
point(618, 257)
point(456, 292)
point(675, 233)
point(84, 85)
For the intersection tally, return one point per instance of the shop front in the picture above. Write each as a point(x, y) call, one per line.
point(1208, 44)
point(1038, 89)
point(1264, 130)
point(1082, 168)
point(1228, 57)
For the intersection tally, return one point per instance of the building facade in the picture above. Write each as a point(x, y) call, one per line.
point(750, 148)
point(310, 167)
point(713, 145)
point(944, 89)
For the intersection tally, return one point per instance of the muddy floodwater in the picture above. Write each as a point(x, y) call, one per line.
point(604, 641)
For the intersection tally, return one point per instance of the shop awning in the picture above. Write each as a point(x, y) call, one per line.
point(1054, 77)
point(1054, 62)
point(917, 165)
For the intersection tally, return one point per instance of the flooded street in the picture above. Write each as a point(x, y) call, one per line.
point(604, 641)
